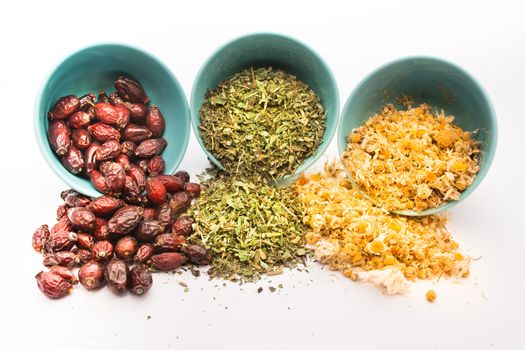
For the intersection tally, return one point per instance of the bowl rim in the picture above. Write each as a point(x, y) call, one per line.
point(42, 141)
point(322, 147)
point(493, 136)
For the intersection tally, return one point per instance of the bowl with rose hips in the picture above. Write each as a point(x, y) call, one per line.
point(110, 113)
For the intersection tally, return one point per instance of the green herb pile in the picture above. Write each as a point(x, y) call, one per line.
point(262, 121)
point(249, 227)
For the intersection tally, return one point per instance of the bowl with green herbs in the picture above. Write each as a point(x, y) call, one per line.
point(264, 105)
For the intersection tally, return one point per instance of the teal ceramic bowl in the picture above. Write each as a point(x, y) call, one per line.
point(438, 83)
point(278, 51)
point(96, 67)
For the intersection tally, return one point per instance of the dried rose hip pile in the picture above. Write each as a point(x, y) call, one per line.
point(118, 238)
point(116, 243)
point(112, 140)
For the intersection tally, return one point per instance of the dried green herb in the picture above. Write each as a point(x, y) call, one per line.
point(250, 227)
point(262, 121)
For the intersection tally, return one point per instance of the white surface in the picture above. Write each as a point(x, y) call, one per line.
point(319, 310)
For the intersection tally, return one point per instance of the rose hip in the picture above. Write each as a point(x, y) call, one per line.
point(102, 251)
point(143, 164)
point(60, 241)
point(64, 258)
point(144, 253)
point(105, 205)
point(165, 215)
point(168, 242)
point(103, 132)
point(150, 148)
point(126, 247)
point(137, 174)
point(140, 280)
point(197, 255)
point(52, 285)
point(183, 226)
point(123, 160)
point(62, 211)
point(171, 183)
point(115, 177)
point(65, 273)
point(125, 220)
point(128, 148)
point(183, 175)
point(130, 90)
point(81, 139)
point(167, 261)
point(90, 158)
point(137, 111)
point(91, 275)
point(61, 225)
point(108, 150)
point(81, 218)
point(102, 97)
point(78, 120)
point(136, 133)
point(101, 230)
point(85, 240)
point(64, 107)
point(155, 121)
point(59, 137)
point(150, 213)
point(40, 236)
point(123, 116)
point(108, 114)
point(132, 193)
point(193, 189)
point(74, 199)
point(116, 276)
point(87, 100)
point(115, 99)
point(156, 166)
point(99, 181)
point(148, 229)
point(156, 191)
point(180, 201)
point(82, 257)
point(73, 160)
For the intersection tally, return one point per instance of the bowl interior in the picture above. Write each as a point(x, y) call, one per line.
point(441, 85)
point(96, 68)
point(262, 50)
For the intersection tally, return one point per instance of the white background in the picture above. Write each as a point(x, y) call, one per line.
point(320, 309)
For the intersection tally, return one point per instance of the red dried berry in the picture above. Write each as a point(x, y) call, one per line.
point(124, 161)
point(102, 97)
point(39, 237)
point(74, 199)
point(165, 215)
point(128, 148)
point(87, 100)
point(59, 137)
point(73, 160)
point(91, 275)
point(79, 120)
point(101, 230)
point(193, 189)
point(126, 247)
point(183, 175)
point(123, 116)
point(52, 285)
point(62, 211)
point(105, 205)
point(103, 132)
point(130, 89)
point(171, 183)
point(64, 258)
point(115, 99)
point(148, 229)
point(102, 251)
point(144, 253)
point(137, 111)
point(115, 177)
point(150, 213)
point(108, 150)
point(156, 166)
point(90, 158)
point(140, 280)
point(85, 240)
point(125, 220)
point(99, 181)
point(150, 148)
point(136, 133)
point(137, 174)
point(65, 273)
point(64, 107)
point(61, 225)
point(81, 218)
point(132, 193)
point(197, 255)
point(82, 257)
point(156, 191)
point(116, 276)
point(180, 201)
point(167, 261)
point(168, 242)
point(60, 241)
point(155, 121)
point(81, 139)
point(183, 226)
